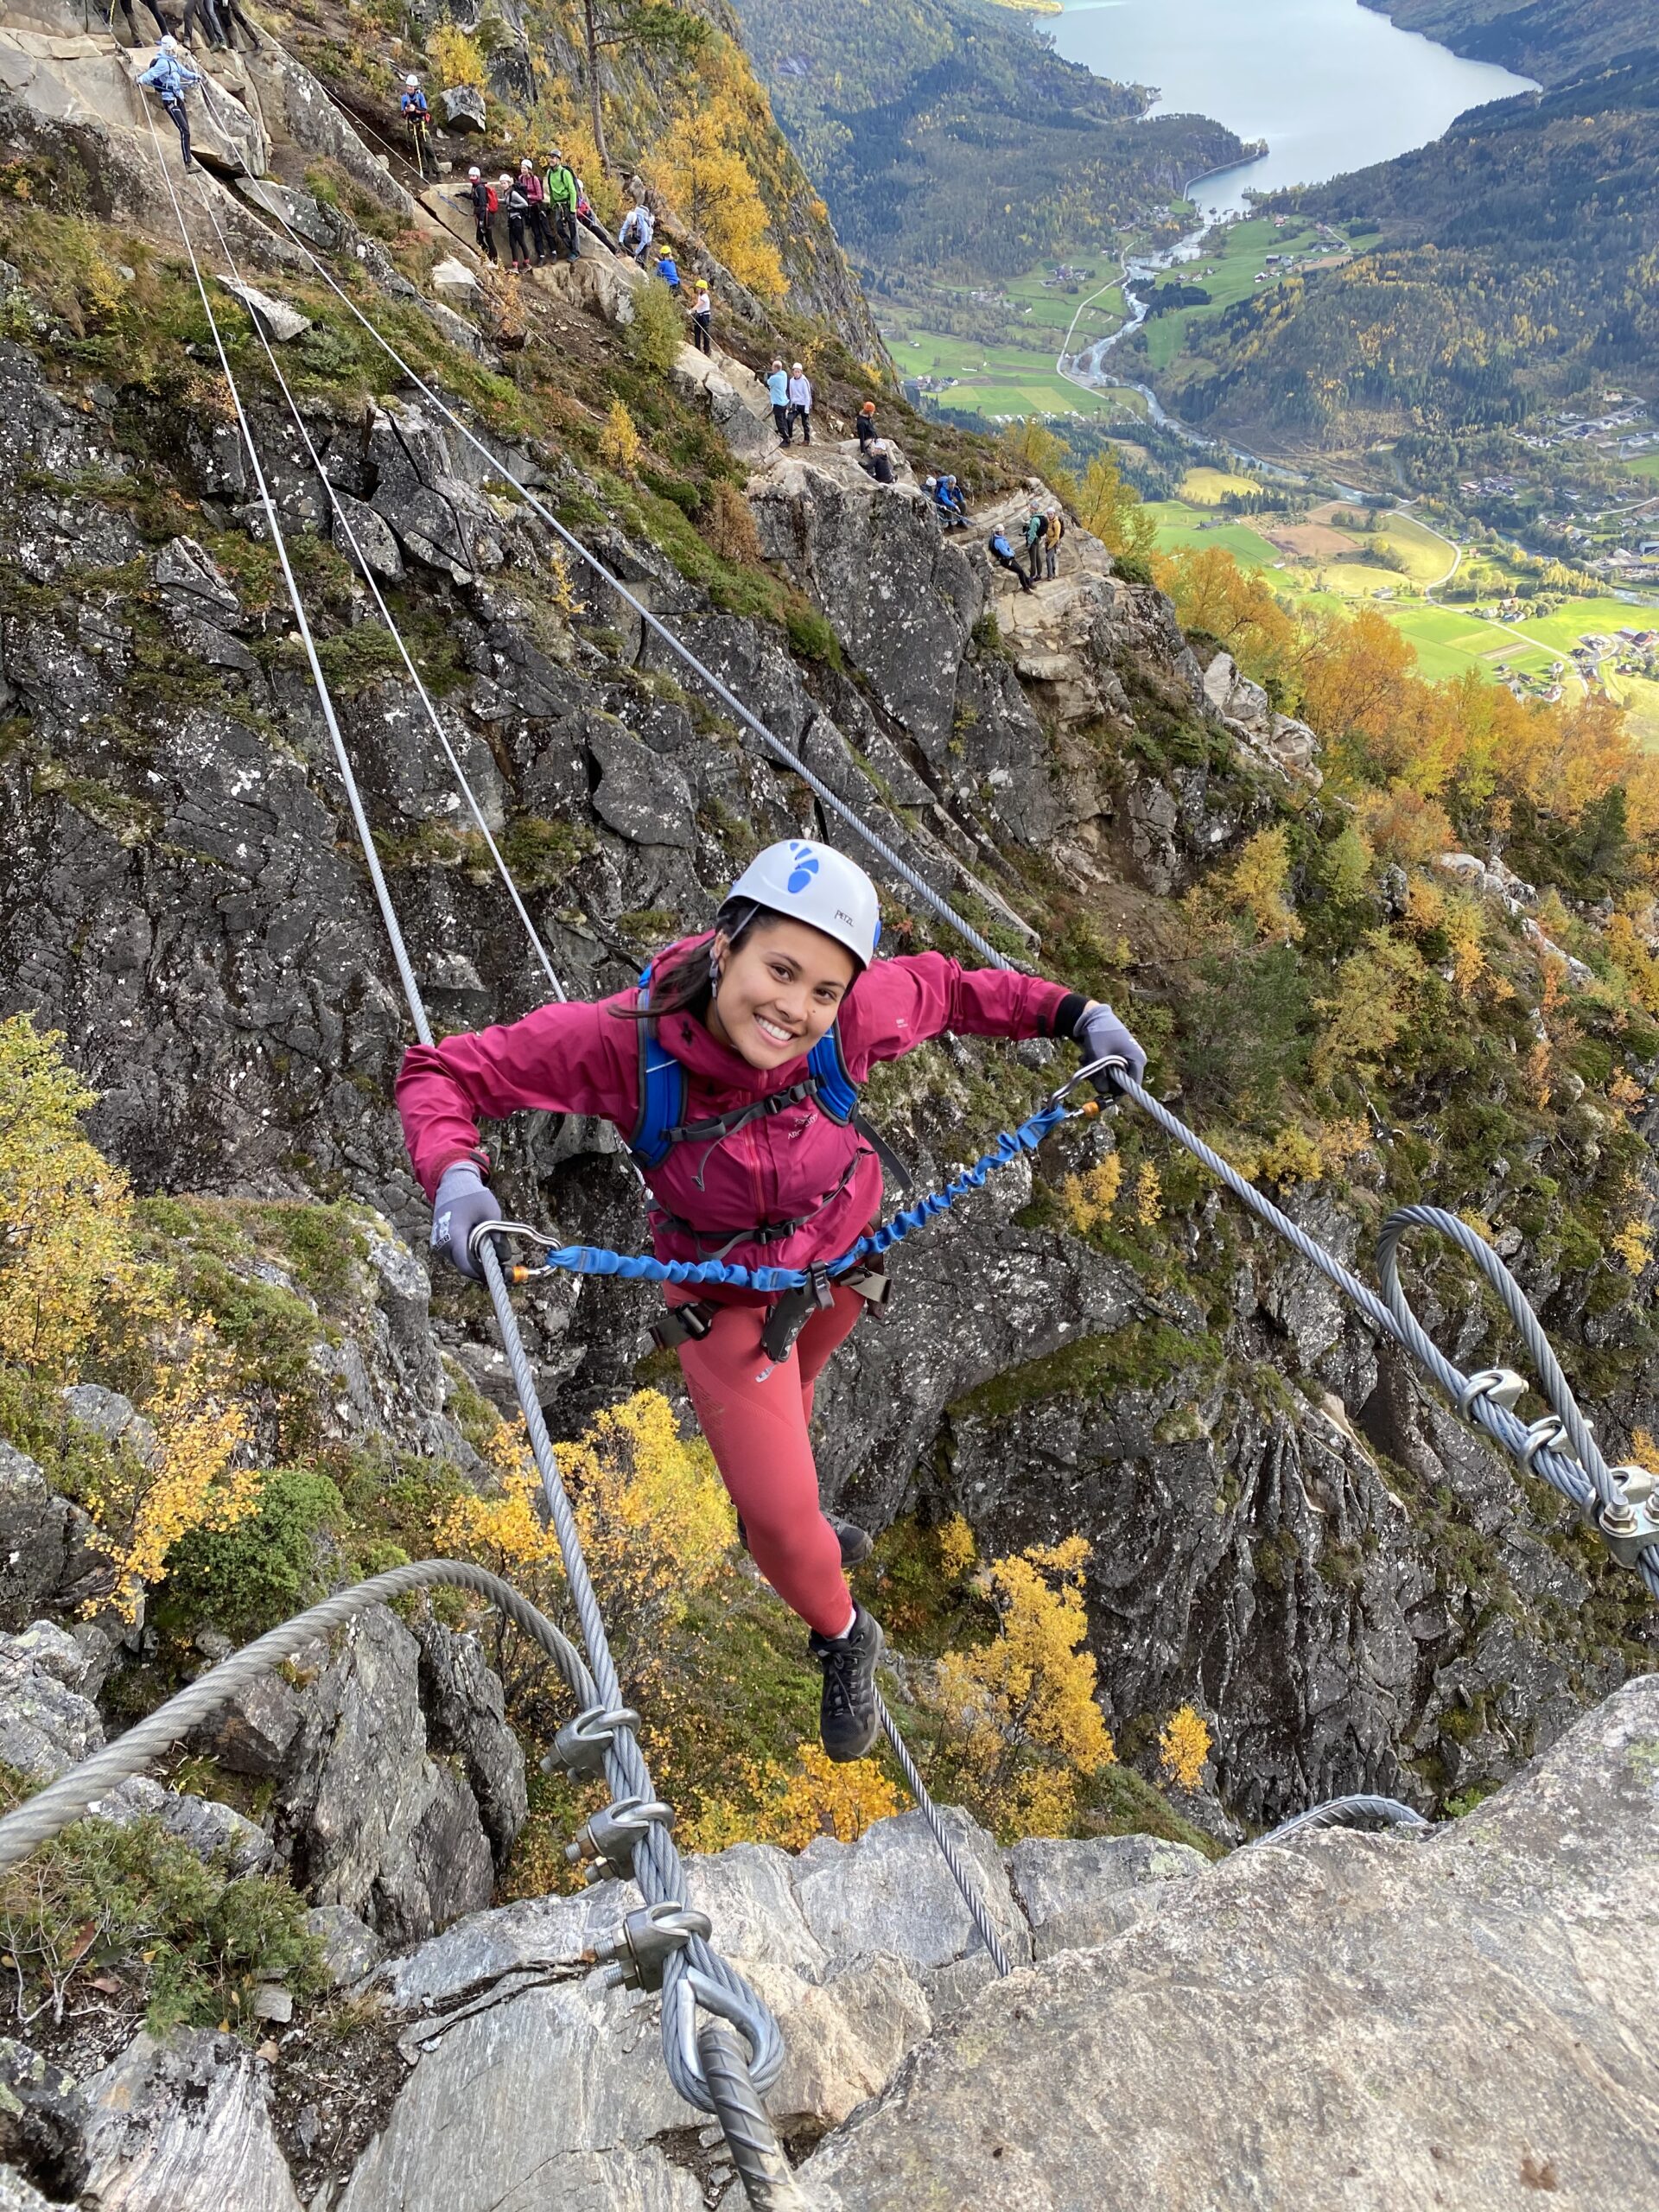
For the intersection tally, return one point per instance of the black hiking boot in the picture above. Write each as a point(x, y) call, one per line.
point(856, 1544)
point(847, 1721)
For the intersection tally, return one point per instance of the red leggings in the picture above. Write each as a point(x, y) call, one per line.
point(756, 1424)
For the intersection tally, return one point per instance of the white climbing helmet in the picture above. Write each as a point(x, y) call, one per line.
point(472, 175)
point(168, 43)
point(412, 81)
point(814, 883)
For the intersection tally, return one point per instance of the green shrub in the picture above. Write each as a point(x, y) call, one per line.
point(655, 335)
point(186, 1940)
point(244, 1580)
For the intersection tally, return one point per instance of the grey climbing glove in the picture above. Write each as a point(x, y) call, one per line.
point(462, 1202)
point(1102, 1036)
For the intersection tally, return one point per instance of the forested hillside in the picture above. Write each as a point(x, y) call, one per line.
point(1554, 41)
point(1517, 264)
point(948, 137)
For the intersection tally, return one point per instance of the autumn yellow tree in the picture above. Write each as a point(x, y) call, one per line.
point(1113, 510)
point(699, 169)
point(79, 1301)
point(1022, 1728)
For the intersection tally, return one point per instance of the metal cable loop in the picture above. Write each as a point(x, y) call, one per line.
point(1347, 1812)
point(1555, 1386)
point(764, 2170)
point(52, 1809)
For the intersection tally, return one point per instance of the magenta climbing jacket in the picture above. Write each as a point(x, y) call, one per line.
point(580, 1059)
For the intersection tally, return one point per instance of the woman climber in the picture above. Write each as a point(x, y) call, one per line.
point(730, 1072)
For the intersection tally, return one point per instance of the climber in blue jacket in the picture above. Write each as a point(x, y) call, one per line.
point(1002, 553)
point(170, 77)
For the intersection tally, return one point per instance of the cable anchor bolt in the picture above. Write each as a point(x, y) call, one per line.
point(605, 1843)
point(637, 1956)
point(1631, 1526)
point(581, 1744)
point(1502, 1385)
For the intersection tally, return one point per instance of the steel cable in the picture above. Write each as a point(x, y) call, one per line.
point(52, 1809)
point(657, 1868)
point(727, 698)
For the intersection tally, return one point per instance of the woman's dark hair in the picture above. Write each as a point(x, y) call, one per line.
point(683, 987)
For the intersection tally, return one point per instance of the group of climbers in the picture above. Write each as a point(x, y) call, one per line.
point(541, 206)
point(217, 19)
point(715, 1071)
point(1044, 529)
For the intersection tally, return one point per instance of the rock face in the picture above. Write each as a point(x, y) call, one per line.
point(369, 1819)
point(858, 1948)
point(1462, 2019)
point(1342, 2019)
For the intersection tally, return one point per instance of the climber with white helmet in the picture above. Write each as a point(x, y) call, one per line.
point(417, 121)
point(731, 1071)
point(169, 76)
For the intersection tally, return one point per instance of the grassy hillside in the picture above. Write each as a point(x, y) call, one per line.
point(948, 137)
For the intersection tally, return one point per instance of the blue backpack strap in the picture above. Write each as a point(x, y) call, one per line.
point(834, 1090)
point(836, 1094)
point(662, 1093)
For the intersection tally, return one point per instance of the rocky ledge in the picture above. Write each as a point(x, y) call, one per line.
point(1340, 2020)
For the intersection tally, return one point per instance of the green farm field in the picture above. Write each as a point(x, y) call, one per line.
point(1014, 374)
point(1228, 272)
point(1449, 640)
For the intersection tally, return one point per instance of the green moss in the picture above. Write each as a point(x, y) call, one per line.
point(1119, 1802)
point(191, 1940)
point(1137, 1357)
point(246, 1580)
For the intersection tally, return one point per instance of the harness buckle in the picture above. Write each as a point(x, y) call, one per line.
point(683, 1324)
point(793, 1310)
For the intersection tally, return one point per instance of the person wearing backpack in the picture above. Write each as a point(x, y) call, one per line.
point(732, 1072)
point(1036, 531)
point(509, 193)
point(1002, 553)
point(480, 198)
point(639, 228)
point(560, 196)
point(541, 231)
point(1052, 538)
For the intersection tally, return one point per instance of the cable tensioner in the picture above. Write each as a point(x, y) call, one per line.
point(1631, 1526)
point(605, 1843)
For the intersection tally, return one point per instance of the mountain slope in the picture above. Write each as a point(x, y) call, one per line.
point(949, 139)
point(1554, 41)
point(1518, 264)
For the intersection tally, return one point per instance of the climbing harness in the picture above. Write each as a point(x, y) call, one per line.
point(720, 2044)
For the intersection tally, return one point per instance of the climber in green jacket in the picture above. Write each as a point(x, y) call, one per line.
point(560, 196)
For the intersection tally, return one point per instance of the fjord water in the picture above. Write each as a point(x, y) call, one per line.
point(1330, 84)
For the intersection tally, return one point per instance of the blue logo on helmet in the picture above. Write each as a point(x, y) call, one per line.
point(806, 867)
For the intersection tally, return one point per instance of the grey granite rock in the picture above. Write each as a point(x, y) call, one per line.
point(349, 1948)
point(183, 2122)
point(45, 1725)
point(1344, 2020)
point(1077, 1894)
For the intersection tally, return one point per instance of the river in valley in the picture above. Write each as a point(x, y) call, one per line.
point(1329, 84)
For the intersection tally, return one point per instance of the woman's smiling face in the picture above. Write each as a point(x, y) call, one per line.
point(780, 990)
